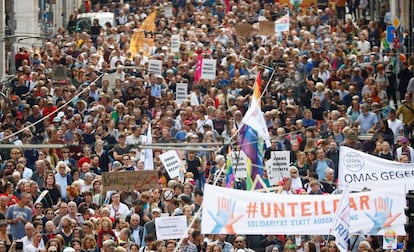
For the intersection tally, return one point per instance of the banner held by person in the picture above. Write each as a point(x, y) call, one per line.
point(175, 43)
point(239, 162)
point(360, 170)
point(255, 213)
point(340, 227)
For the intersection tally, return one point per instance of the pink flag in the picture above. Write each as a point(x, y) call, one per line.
point(227, 4)
point(197, 75)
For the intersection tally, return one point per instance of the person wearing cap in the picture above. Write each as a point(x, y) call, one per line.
point(404, 150)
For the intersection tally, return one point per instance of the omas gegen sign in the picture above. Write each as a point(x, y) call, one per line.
point(359, 170)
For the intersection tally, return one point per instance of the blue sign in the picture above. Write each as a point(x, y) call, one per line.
point(391, 33)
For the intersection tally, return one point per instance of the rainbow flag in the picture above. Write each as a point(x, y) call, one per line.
point(252, 136)
point(143, 38)
point(229, 170)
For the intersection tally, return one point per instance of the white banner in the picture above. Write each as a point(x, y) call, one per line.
point(360, 170)
point(171, 162)
point(155, 66)
point(278, 166)
point(208, 69)
point(174, 227)
point(238, 161)
point(181, 93)
point(175, 43)
point(249, 212)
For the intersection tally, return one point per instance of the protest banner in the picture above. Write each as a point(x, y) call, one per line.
point(243, 30)
point(278, 166)
point(175, 43)
point(181, 93)
point(155, 66)
point(129, 180)
point(174, 227)
point(266, 28)
point(172, 163)
point(254, 213)
point(238, 161)
point(208, 69)
point(360, 170)
point(282, 24)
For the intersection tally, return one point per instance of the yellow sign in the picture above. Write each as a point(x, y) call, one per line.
point(396, 22)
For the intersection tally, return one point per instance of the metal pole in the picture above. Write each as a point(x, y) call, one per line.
point(43, 22)
point(12, 69)
point(2, 35)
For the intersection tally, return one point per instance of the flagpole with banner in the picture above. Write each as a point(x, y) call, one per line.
point(341, 223)
point(253, 135)
point(148, 153)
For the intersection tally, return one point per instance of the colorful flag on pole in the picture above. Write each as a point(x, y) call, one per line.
point(229, 170)
point(340, 227)
point(148, 154)
point(252, 136)
point(197, 74)
point(143, 38)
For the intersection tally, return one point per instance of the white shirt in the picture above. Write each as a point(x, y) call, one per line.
point(122, 211)
point(396, 126)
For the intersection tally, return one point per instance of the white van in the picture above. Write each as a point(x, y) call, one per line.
point(85, 20)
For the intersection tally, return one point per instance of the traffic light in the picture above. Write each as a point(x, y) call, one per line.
point(409, 227)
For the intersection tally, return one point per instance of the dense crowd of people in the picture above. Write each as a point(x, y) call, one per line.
point(331, 80)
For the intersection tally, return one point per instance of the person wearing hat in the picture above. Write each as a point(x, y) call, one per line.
point(404, 151)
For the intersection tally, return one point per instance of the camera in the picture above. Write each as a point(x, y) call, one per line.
point(19, 245)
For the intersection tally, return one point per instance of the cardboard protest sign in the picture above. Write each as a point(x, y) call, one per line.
point(266, 28)
point(244, 30)
point(129, 180)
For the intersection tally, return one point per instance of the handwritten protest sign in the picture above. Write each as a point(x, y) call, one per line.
point(239, 163)
point(244, 30)
point(171, 162)
point(174, 227)
point(129, 181)
point(266, 28)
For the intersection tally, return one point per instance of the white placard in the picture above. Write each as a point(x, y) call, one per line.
point(175, 43)
point(238, 161)
point(208, 69)
point(168, 11)
point(174, 227)
point(111, 78)
point(172, 163)
point(278, 166)
point(155, 66)
point(181, 93)
point(389, 240)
